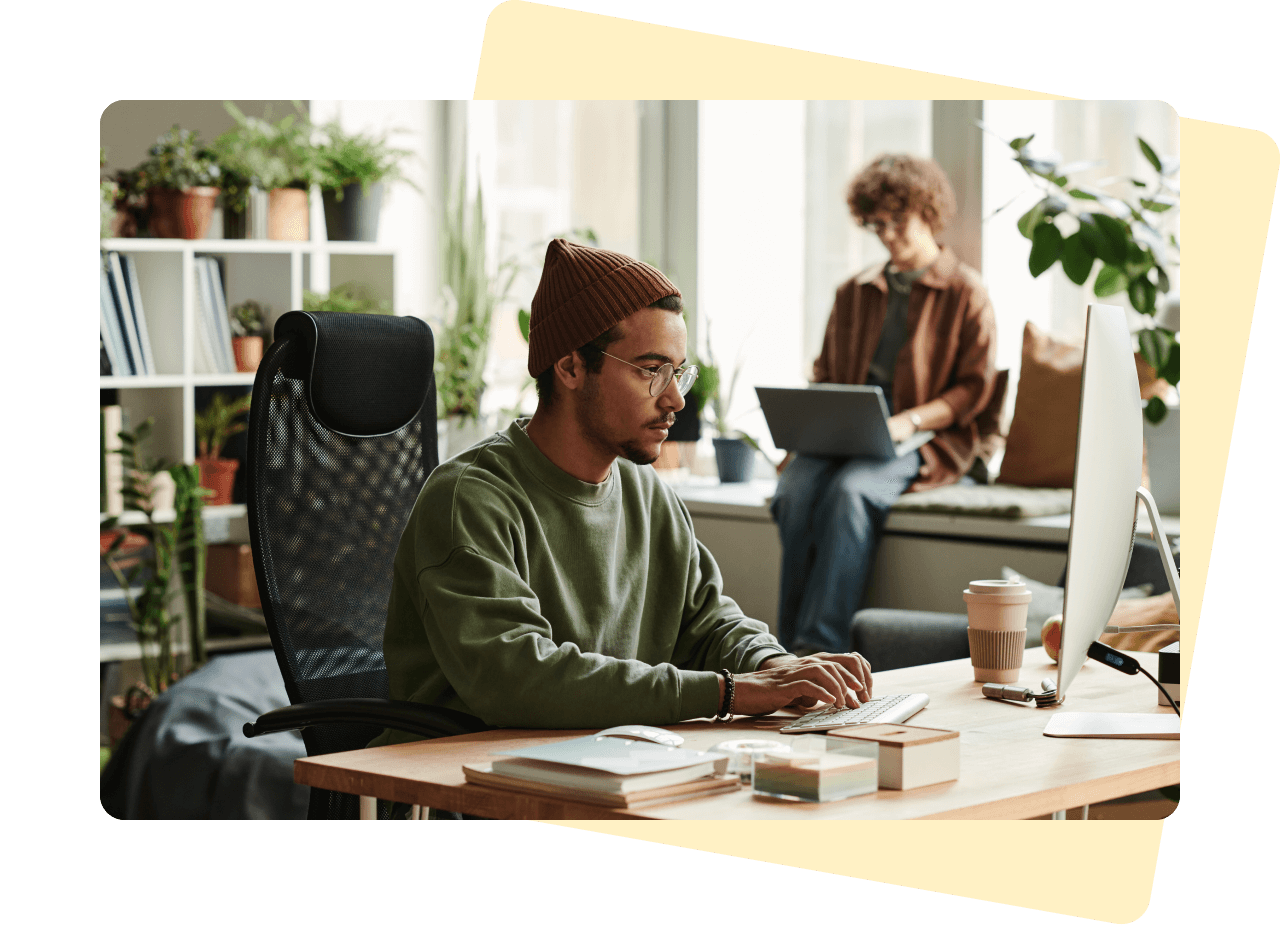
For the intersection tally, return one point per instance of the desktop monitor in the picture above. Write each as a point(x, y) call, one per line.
point(1106, 491)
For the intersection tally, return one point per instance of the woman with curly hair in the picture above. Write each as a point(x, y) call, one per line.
point(922, 328)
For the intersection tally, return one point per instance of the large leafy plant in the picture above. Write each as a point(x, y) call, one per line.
point(344, 158)
point(345, 297)
point(179, 161)
point(1082, 226)
point(175, 570)
point(471, 294)
point(268, 155)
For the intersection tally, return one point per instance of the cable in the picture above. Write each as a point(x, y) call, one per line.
point(1172, 702)
point(1128, 664)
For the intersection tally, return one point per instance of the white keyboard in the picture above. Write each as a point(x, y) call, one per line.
point(896, 709)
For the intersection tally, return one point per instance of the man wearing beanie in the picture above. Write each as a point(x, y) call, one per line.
point(547, 577)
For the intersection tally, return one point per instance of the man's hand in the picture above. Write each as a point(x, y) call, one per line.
point(787, 681)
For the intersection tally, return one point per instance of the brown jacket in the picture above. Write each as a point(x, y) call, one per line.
point(949, 354)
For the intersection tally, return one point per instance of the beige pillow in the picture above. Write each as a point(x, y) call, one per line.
point(1040, 450)
point(1143, 612)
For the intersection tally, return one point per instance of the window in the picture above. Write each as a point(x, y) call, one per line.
point(548, 167)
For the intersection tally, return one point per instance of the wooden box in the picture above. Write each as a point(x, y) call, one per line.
point(228, 573)
point(908, 756)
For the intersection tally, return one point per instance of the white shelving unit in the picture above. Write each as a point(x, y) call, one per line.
point(274, 273)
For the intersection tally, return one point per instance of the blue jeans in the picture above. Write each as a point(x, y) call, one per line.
point(829, 514)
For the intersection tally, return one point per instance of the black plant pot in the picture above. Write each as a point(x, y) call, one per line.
point(735, 459)
point(688, 425)
point(235, 225)
point(355, 217)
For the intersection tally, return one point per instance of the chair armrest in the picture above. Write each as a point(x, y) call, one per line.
point(404, 715)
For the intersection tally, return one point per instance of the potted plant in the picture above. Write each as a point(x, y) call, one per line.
point(735, 449)
point(179, 181)
point(351, 170)
point(219, 420)
point(470, 294)
point(276, 157)
point(159, 566)
point(345, 297)
point(1082, 226)
point(247, 325)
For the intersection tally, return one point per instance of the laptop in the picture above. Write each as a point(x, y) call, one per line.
point(834, 420)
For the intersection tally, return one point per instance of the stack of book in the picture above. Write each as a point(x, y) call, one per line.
point(607, 771)
point(125, 347)
point(213, 328)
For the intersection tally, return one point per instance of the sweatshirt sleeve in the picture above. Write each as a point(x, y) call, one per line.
point(496, 649)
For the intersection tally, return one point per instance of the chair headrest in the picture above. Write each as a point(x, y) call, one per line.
point(365, 375)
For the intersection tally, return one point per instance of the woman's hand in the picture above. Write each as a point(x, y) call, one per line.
point(900, 428)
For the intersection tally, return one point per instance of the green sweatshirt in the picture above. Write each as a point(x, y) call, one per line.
point(528, 598)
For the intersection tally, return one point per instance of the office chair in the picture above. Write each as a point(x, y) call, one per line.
point(342, 435)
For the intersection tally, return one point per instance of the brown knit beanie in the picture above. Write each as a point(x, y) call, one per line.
point(584, 291)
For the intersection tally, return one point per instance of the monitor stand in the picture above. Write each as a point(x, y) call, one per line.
point(1129, 725)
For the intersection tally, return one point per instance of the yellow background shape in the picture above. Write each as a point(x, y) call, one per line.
point(539, 52)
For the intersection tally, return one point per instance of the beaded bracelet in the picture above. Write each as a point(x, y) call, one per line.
point(726, 703)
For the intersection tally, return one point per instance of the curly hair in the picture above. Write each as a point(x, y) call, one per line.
point(898, 184)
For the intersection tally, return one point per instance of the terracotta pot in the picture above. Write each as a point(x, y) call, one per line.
point(181, 213)
point(248, 351)
point(288, 215)
point(219, 476)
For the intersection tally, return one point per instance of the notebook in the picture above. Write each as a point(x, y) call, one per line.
point(834, 420)
point(608, 764)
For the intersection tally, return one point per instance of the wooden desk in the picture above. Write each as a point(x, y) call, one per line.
point(1008, 769)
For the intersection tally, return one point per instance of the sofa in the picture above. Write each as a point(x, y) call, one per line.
point(891, 638)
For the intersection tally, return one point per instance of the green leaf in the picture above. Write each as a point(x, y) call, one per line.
point(1138, 183)
point(1155, 205)
point(1171, 372)
point(1058, 179)
point(1116, 234)
point(1155, 410)
point(1077, 262)
point(1111, 279)
point(1142, 296)
point(1019, 143)
point(1032, 217)
point(522, 317)
point(1162, 280)
point(1046, 247)
point(1081, 194)
point(1150, 155)
point(1155, 345)
point(1099, 242)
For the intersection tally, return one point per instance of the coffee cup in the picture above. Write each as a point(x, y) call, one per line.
point(997, 628)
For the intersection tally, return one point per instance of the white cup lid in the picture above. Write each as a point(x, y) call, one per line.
point(996, 586)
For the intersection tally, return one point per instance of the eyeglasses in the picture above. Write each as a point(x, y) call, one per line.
point(878, 226)
point(661, 377)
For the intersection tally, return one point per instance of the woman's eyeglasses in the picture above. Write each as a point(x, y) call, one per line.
point(661, 377)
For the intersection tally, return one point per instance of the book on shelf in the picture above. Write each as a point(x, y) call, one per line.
point(112, 336)
point(128, 320)
point(130, 268)
point(212, 323)
point(221, 319)
point(483, 775)
point(112, 480)
point(608, 764)
point(104, 361)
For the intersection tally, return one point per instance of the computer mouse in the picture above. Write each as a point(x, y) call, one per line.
point(642, 734)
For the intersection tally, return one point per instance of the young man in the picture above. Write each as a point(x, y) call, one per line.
point(922, 328)
point(548, 578)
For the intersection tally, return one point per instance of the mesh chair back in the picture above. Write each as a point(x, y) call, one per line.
point(342, 435)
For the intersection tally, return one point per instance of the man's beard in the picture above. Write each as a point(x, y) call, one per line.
point(592, 423)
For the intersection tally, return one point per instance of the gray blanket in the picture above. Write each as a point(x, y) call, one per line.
point(186, 757)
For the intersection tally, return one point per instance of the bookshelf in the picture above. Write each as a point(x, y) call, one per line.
point(274, 273)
